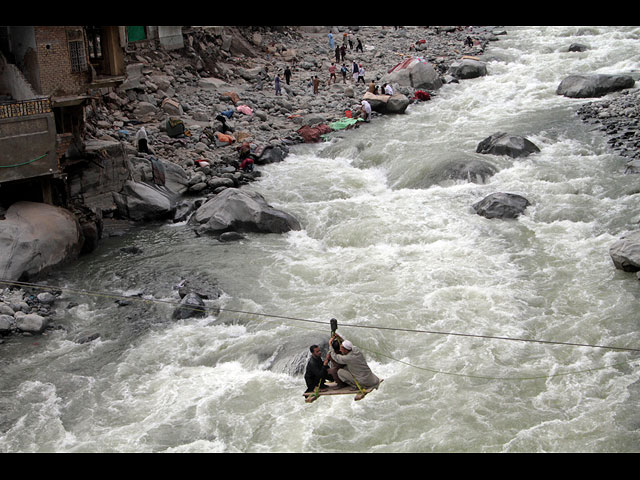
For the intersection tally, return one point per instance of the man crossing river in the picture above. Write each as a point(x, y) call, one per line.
point(352, 368)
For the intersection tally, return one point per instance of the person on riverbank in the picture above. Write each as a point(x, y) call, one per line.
point(316, 84)
point(277, 85)
point(360, 74)
point(317, 371)
point(354, 369)
point(142, 141)
point(343, 71)
point(332, 73)
point(287, 75)
point(366, 111)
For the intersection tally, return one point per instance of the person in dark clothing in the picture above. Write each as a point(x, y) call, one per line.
point(317, 372)
point(287, 75)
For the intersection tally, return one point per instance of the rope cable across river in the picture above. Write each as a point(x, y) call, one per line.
point(375, 327)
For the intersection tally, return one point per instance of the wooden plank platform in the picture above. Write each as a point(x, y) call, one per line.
point(332, 389)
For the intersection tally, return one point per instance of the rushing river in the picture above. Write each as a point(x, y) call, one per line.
point(383, 244)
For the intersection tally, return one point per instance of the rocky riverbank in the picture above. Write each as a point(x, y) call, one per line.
point(618, 118)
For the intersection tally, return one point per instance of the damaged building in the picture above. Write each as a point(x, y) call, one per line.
point(49, 77)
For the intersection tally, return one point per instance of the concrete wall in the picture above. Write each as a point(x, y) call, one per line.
point(27, 147)
point(170, 37)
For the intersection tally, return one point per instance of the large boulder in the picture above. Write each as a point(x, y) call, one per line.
point(593, 85)
point(191, 305)
point(35, 237)
point(396, 103)
point(501, 205)
point(414, 72)
point(467, 68)
point(142, 202)
point(469, 170)
point(160, 172)
point(625, 252)
point(502, 143)
point(241, 211)
point(31, 323)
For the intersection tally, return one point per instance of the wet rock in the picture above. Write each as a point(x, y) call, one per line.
point(31, 323)
point(88, 338)
point(7, 324)
point(578, 47)
point(505, 144)
point(241, 211)
point(6, 309)
point(501, 205)
point(593, 85)
point(191, 306)
point(46, 298)
point(625, 252)
point(467, 68)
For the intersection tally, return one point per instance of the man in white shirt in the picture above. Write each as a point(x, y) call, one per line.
point(366, 110)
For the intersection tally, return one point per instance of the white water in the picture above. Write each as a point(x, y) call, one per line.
point(381, 246)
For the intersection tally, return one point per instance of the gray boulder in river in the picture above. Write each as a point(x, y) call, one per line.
point(625, 253)
point(191, 305)
point(35, 237)
point(504, 144)
point(593, 85)
point(467, 68)
point(241, 211)
point(501, 205)
point(397, 103)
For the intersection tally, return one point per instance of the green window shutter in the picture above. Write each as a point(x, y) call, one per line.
point(136, 33)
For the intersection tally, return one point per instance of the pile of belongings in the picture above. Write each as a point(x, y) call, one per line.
point(345, 123)
point(175, 127)
point(314, 134)
point(421, 95)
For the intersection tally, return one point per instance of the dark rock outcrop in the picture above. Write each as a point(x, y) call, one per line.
point(501, 205)
point(241, 211)
point(505, 144)
point(594, 85)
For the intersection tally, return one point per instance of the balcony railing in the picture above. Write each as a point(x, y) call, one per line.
point(24, 108)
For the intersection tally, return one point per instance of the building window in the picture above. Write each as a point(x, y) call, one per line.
point(77, 52)
point(95, 43)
